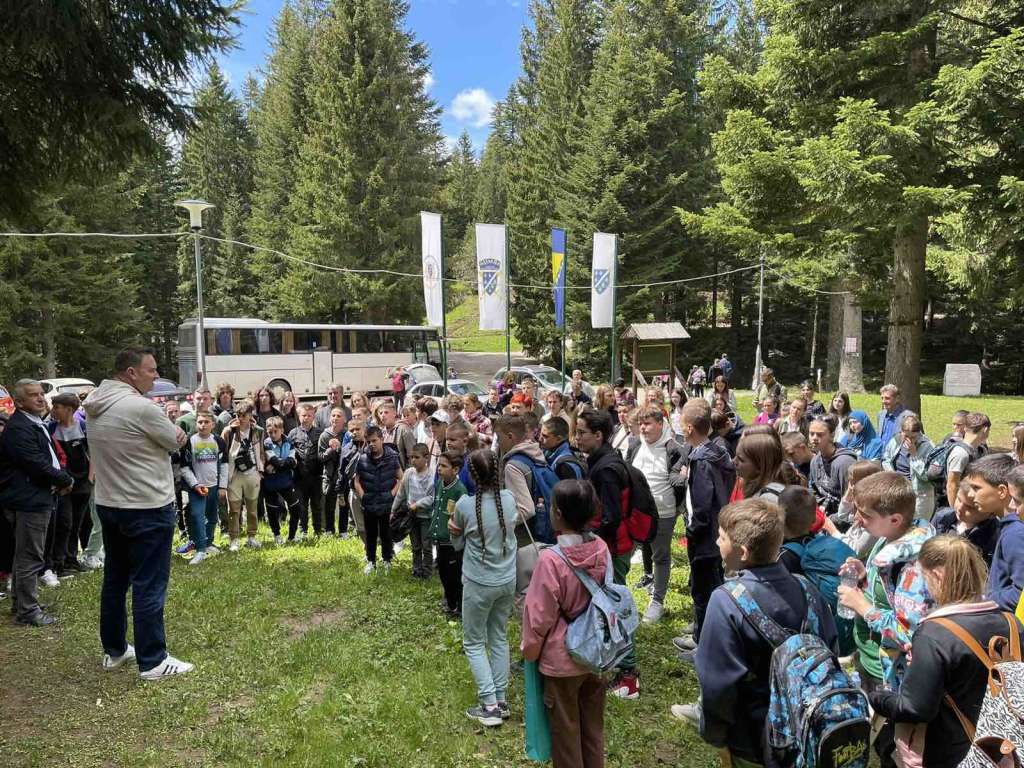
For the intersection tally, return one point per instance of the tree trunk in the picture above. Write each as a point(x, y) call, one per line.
point(903, 352)
point(835, 338)
point(851, 360)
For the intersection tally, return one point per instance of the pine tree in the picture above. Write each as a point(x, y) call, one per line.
point(458, 207)
point(370, 162)
point(642, 152)
point(545, 112)
point(216, 165)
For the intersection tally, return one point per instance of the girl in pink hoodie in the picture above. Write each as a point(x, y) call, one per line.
point(573, 696)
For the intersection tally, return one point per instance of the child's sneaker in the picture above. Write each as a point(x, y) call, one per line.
point(505, 710)
point(300, 536)
point(369, 568)
point(197, 558)
point(92, 563)
point(169, 667)
point(626, 685)
point(212, 549)
point(253, 543)
point(278, 541)
point(654, 612)
point(688, 713)
point(185, 548)
point(489, 716)
point(386, 567)
point(644, 581)
point(49, 579)
point(111, 663)
point(234, 546)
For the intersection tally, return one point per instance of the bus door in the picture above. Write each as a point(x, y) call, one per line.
point(419, 351)
point(323, 370)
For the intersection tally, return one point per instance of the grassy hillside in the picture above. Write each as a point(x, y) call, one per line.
point(463, 325)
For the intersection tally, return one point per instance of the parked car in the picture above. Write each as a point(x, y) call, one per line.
point(52, 387)
point(6, 402)
point(546, 378)
point(422, 372)
point(166, 389)
point(435, 390)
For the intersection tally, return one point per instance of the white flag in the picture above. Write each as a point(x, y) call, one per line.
point(432, 296)
point(492, 275)
point(602, 284)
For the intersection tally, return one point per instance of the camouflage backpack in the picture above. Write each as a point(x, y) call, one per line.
point(817, 716)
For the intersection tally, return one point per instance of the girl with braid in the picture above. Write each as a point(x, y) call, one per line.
point(483, 527)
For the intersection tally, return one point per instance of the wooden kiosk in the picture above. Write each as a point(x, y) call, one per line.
point(654, 350)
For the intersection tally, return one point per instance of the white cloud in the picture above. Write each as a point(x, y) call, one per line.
point(450, 142)
point(428, 81)
point(473, 106)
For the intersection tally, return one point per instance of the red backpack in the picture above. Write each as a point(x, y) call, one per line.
point(637, 508)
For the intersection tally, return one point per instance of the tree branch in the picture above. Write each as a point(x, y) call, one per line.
point(1002, 30)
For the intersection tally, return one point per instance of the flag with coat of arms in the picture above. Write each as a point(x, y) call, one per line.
point(602, 285)
point(492, 275)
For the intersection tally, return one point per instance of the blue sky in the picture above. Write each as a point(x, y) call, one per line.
point(474, 53)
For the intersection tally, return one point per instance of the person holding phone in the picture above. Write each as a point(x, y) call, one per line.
point(907, 453)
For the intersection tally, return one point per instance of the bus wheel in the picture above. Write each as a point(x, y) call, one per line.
point(279, 387)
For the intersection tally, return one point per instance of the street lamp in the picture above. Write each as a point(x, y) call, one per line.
point(195, 210)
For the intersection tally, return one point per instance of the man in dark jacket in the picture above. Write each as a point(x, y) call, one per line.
point(378, 475)
point(828, 467)
point(610, 477)
point(30, 479)
point(711, 477)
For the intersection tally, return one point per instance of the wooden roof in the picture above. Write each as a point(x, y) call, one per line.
point(656, 332)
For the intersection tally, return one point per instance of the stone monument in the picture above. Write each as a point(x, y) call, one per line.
point(961, 380)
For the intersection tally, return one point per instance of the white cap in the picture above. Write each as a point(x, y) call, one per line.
point(441, 415)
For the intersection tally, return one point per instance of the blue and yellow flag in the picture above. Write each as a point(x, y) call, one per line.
point(558, 274)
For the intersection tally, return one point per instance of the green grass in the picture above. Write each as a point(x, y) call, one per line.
point(937, 411)
point(464, 333)
point(300, 661)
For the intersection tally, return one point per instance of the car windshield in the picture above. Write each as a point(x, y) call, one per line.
point(552, 378)
point(422, 373)
point(74, 388)
point(467, 387)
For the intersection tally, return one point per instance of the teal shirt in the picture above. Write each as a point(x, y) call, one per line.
point(492, 561)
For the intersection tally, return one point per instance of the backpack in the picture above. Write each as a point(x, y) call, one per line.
point(938, 457)
point(636, 505)
point(542, 482)
point(999, 734)
point(771, 492)
point(601, 636)
point(572, 461)
point(818, 717)
point(821, 556)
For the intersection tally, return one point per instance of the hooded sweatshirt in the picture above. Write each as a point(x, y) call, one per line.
point(556, 592)
point(828, 480)
point(711, 480)
point(900, 600)
point(518, 478)
point(131, 441)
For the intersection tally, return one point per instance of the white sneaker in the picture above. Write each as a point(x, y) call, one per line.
point(92, 562)
point(212, 549)
point(399, 547)
point(234, 546)
point(654, 612)
point(169, 667)
point(688, 713)
point(111, 663)
point(278, 541)
point(49, 579)
point(387, 567)
point(368, 569)
point(300, 536)
point(638, 557)
point(253, 543)
point(197, 558)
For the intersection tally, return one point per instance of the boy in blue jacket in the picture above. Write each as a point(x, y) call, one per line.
point(992, 480)
point(279, 490)
point(733, 660)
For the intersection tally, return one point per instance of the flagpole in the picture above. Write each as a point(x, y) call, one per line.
point(508, 303)
point(444, 317)
point(614, 282)
point(565, 271)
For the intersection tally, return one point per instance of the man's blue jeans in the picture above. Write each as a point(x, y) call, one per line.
point(138, 555)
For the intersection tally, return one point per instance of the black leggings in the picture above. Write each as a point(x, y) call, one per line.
point(378, 526)
point(286, 501)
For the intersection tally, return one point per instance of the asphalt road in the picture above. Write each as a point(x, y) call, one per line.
point(481, 366)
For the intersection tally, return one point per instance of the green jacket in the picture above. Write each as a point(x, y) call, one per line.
point(439, 517)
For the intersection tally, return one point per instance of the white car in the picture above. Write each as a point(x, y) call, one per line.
point(420, 373)
point(52, 387)
point(435, 390)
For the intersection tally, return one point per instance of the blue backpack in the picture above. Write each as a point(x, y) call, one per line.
point(821, 556)
point(818, 717)
point(542, 481)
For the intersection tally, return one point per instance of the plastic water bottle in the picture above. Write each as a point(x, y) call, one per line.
point(847, 579)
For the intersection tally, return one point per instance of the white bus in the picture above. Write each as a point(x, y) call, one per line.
point(301, 357)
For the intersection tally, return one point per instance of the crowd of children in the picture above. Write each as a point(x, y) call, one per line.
point(805, 523)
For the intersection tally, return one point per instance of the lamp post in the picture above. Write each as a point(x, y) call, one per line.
point(195, 210)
